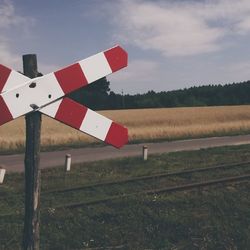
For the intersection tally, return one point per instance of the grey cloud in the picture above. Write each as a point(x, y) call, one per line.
point(180, 28)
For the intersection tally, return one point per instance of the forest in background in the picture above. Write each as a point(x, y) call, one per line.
point(98, 96)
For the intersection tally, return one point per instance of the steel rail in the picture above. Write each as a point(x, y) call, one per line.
point(185, 187)
point(148, 177)
point(140, 178)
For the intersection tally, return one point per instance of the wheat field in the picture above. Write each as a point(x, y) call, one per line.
point(143, 124)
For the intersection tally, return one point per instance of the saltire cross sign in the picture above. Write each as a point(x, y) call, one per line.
point(20, 95)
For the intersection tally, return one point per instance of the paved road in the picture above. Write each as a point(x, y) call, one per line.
point(14, 163)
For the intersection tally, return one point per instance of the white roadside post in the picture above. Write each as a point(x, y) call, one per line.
point(145, 152)
point(67, 162)
point(2, 174)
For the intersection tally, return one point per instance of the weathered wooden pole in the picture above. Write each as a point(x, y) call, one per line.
point(32, 172)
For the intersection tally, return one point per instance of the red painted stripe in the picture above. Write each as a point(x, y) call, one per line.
point(117, 135)
point(5, 115)
point(4, 75)
point(71, 78)
point(71, 113)
point(117, 58)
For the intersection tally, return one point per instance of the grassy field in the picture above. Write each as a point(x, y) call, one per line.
point(143, 125)
point(205, 218)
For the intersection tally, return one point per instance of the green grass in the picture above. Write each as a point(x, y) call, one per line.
point(208, 218)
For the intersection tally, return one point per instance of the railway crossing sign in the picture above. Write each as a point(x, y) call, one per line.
point(20, 95)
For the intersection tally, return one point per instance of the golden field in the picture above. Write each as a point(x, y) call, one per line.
point(143, 124)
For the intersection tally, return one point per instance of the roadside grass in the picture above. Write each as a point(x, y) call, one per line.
point(143, 125)
point(206, 218)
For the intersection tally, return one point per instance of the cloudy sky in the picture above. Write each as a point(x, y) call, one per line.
point(172, 44)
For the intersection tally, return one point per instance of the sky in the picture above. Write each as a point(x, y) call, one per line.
point(172, 44)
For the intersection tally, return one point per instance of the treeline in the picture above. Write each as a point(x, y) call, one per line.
point(98, 96)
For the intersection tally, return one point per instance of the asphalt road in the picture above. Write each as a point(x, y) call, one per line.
point(14, 163)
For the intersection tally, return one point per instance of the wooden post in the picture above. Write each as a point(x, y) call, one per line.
point(32, 172)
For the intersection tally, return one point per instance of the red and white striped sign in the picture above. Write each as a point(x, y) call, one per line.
point(21, 95)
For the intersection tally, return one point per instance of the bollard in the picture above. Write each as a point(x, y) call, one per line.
point(2, 174)
point(67, 162)
point(145, 152)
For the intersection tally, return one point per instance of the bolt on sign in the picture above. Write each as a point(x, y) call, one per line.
point(20, 95)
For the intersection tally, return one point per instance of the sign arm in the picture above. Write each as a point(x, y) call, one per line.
point(86, 120)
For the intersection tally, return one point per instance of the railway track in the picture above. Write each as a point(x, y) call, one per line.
point(155, 177)
point(159, 183)
point(149, 177)
point(186, 187)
